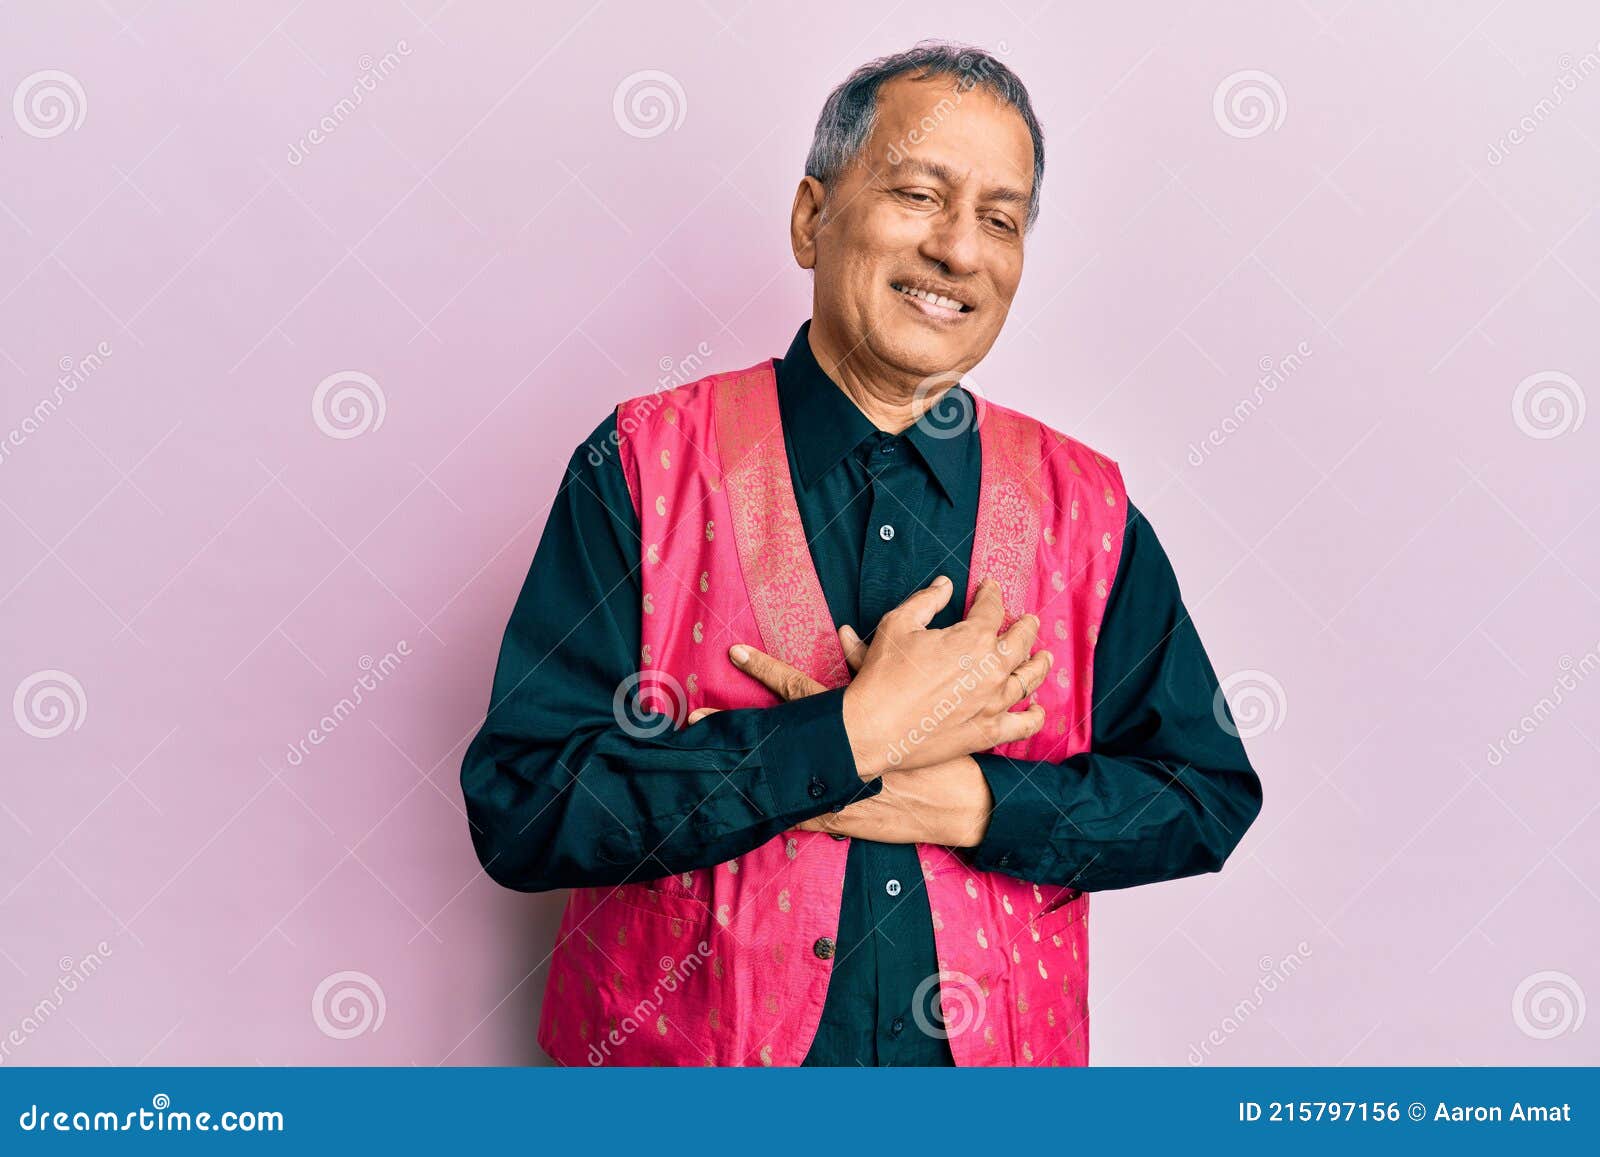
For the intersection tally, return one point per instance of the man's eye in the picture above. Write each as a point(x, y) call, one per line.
point(912, 194)
point(1001, 223)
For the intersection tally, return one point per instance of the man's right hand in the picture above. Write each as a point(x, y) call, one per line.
point(925, 696)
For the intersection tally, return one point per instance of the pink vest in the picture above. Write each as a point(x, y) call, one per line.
point(729, 965)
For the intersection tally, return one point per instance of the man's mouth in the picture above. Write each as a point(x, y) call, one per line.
point(932, 304)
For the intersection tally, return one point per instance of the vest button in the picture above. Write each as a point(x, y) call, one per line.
point(817, 789)
point(823, 947)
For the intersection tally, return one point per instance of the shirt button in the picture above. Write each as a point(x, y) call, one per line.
point(897, 1026)
point(886, 532)
point(817, 788)
point(892, 887)
point(823, 947)
point(886, 448)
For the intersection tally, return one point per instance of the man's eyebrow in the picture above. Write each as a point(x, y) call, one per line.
point(940, 171)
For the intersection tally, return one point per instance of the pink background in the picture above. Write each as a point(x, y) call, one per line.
point(1383, 556)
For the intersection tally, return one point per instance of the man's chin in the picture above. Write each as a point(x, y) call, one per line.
point(922, 354)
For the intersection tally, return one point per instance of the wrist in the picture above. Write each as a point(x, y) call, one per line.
point(871, 755)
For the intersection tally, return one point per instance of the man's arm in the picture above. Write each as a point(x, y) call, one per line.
point(559, 793)
point(1165, 790)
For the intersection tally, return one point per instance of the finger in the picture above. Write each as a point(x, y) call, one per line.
point(1032, 672)
point(700, 713)
point(920, 606)
point(1015, 725)
point(1018, 640)
point(854, 649)
point(988, 609)
point(779, 677)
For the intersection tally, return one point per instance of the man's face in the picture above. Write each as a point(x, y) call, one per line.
point(936, 202)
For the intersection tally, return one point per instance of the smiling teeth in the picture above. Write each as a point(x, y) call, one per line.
point(945, 302)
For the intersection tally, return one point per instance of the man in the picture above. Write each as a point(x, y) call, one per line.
point(832, 708)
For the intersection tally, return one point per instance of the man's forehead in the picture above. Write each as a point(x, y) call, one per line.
point(911, 112)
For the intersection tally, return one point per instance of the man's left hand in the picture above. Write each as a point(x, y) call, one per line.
point(943, 803)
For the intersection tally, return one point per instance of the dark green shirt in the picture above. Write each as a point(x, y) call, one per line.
point(559, 794)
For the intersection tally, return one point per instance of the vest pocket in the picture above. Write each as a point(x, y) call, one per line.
point(1060, 911)
point(691, 911)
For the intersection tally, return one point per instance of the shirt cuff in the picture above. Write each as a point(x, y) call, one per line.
point(806, 755)
point(1018, 839)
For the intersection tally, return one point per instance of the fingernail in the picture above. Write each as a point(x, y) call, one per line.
point(942, 581)
point(739, 652)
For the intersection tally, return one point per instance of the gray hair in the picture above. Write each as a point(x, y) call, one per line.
point(851, 110)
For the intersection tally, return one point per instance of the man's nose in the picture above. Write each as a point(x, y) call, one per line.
point(953, 241)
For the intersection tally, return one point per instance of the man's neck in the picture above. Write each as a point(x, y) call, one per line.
point(887, 397)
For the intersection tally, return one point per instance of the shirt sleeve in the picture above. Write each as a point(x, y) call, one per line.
point(1165, 789)
point(566, 784)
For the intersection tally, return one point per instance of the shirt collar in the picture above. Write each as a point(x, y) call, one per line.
point(824, 425)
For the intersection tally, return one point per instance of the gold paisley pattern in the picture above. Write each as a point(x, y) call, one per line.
point(780, 579)
point(773, 903)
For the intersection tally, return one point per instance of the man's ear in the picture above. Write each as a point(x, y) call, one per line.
point(805, 220)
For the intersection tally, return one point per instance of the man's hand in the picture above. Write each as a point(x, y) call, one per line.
point(924, 697)
point(945, 803)
point(948, 803)
point(961, 682)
